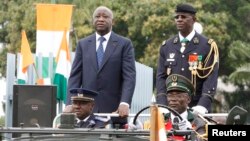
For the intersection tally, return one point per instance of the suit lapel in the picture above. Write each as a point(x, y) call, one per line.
point(92, 51)
point(111, 46)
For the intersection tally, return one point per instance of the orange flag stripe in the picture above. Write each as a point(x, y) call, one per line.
point(64, 47)
point(26, 53)
point(53, 12)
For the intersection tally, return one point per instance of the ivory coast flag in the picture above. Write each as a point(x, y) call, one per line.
point(25, 60)
point(63, 69)
point(157, 128)
point(52, 21)
point(53, 24)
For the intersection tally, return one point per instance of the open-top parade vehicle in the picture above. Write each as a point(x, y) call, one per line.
point(236, 115)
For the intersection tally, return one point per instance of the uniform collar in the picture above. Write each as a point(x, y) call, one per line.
point(187, 115)
point(184, 115)
point(190, 116)
point(84, 120)
point(189, 37)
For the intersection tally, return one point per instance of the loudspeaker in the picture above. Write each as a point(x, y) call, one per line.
point(34, 105)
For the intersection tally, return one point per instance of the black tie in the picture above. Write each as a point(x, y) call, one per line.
point(100, 52)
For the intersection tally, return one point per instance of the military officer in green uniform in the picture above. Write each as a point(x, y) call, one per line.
point(192, 55)
point(179, 93)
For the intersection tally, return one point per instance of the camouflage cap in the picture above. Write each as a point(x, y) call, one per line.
point(179, 83)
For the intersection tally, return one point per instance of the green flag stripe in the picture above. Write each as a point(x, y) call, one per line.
point(61, 82)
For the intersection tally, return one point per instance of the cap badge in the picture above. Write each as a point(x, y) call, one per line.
point(80, 95)
point(174, 79)
point(174, 84)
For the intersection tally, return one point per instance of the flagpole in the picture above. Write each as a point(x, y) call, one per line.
point(39, 81)
point(36, 70)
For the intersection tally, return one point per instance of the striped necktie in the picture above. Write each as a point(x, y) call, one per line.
point(100, 51)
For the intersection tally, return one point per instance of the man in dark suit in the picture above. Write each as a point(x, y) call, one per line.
point(192, 55)
point(105, 62)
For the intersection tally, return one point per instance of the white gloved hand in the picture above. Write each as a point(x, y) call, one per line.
point(184, 125)
point(138, 124)
point(199, 110)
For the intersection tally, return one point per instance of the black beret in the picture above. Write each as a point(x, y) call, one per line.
point(83, 94)
point(186, 8)
point(179, 83)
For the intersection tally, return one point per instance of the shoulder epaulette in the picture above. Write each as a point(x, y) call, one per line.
point(196, 40)
point(175, 40)
point(103, 119)
point(164, 42)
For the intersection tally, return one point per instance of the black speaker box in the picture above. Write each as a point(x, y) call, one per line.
point(34, 105)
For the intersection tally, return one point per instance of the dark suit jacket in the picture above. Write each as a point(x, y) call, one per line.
point(115, 80)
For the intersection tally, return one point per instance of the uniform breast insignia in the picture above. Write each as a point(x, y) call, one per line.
point(168, 71)
point(183, 47)
point(193, 62)
point(193, 65)
point(170, 59)
point(196, 40)
point(171, 55)
point(183, 44)
point(200, 64)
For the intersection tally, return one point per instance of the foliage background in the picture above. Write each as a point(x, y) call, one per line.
point(147, 23)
